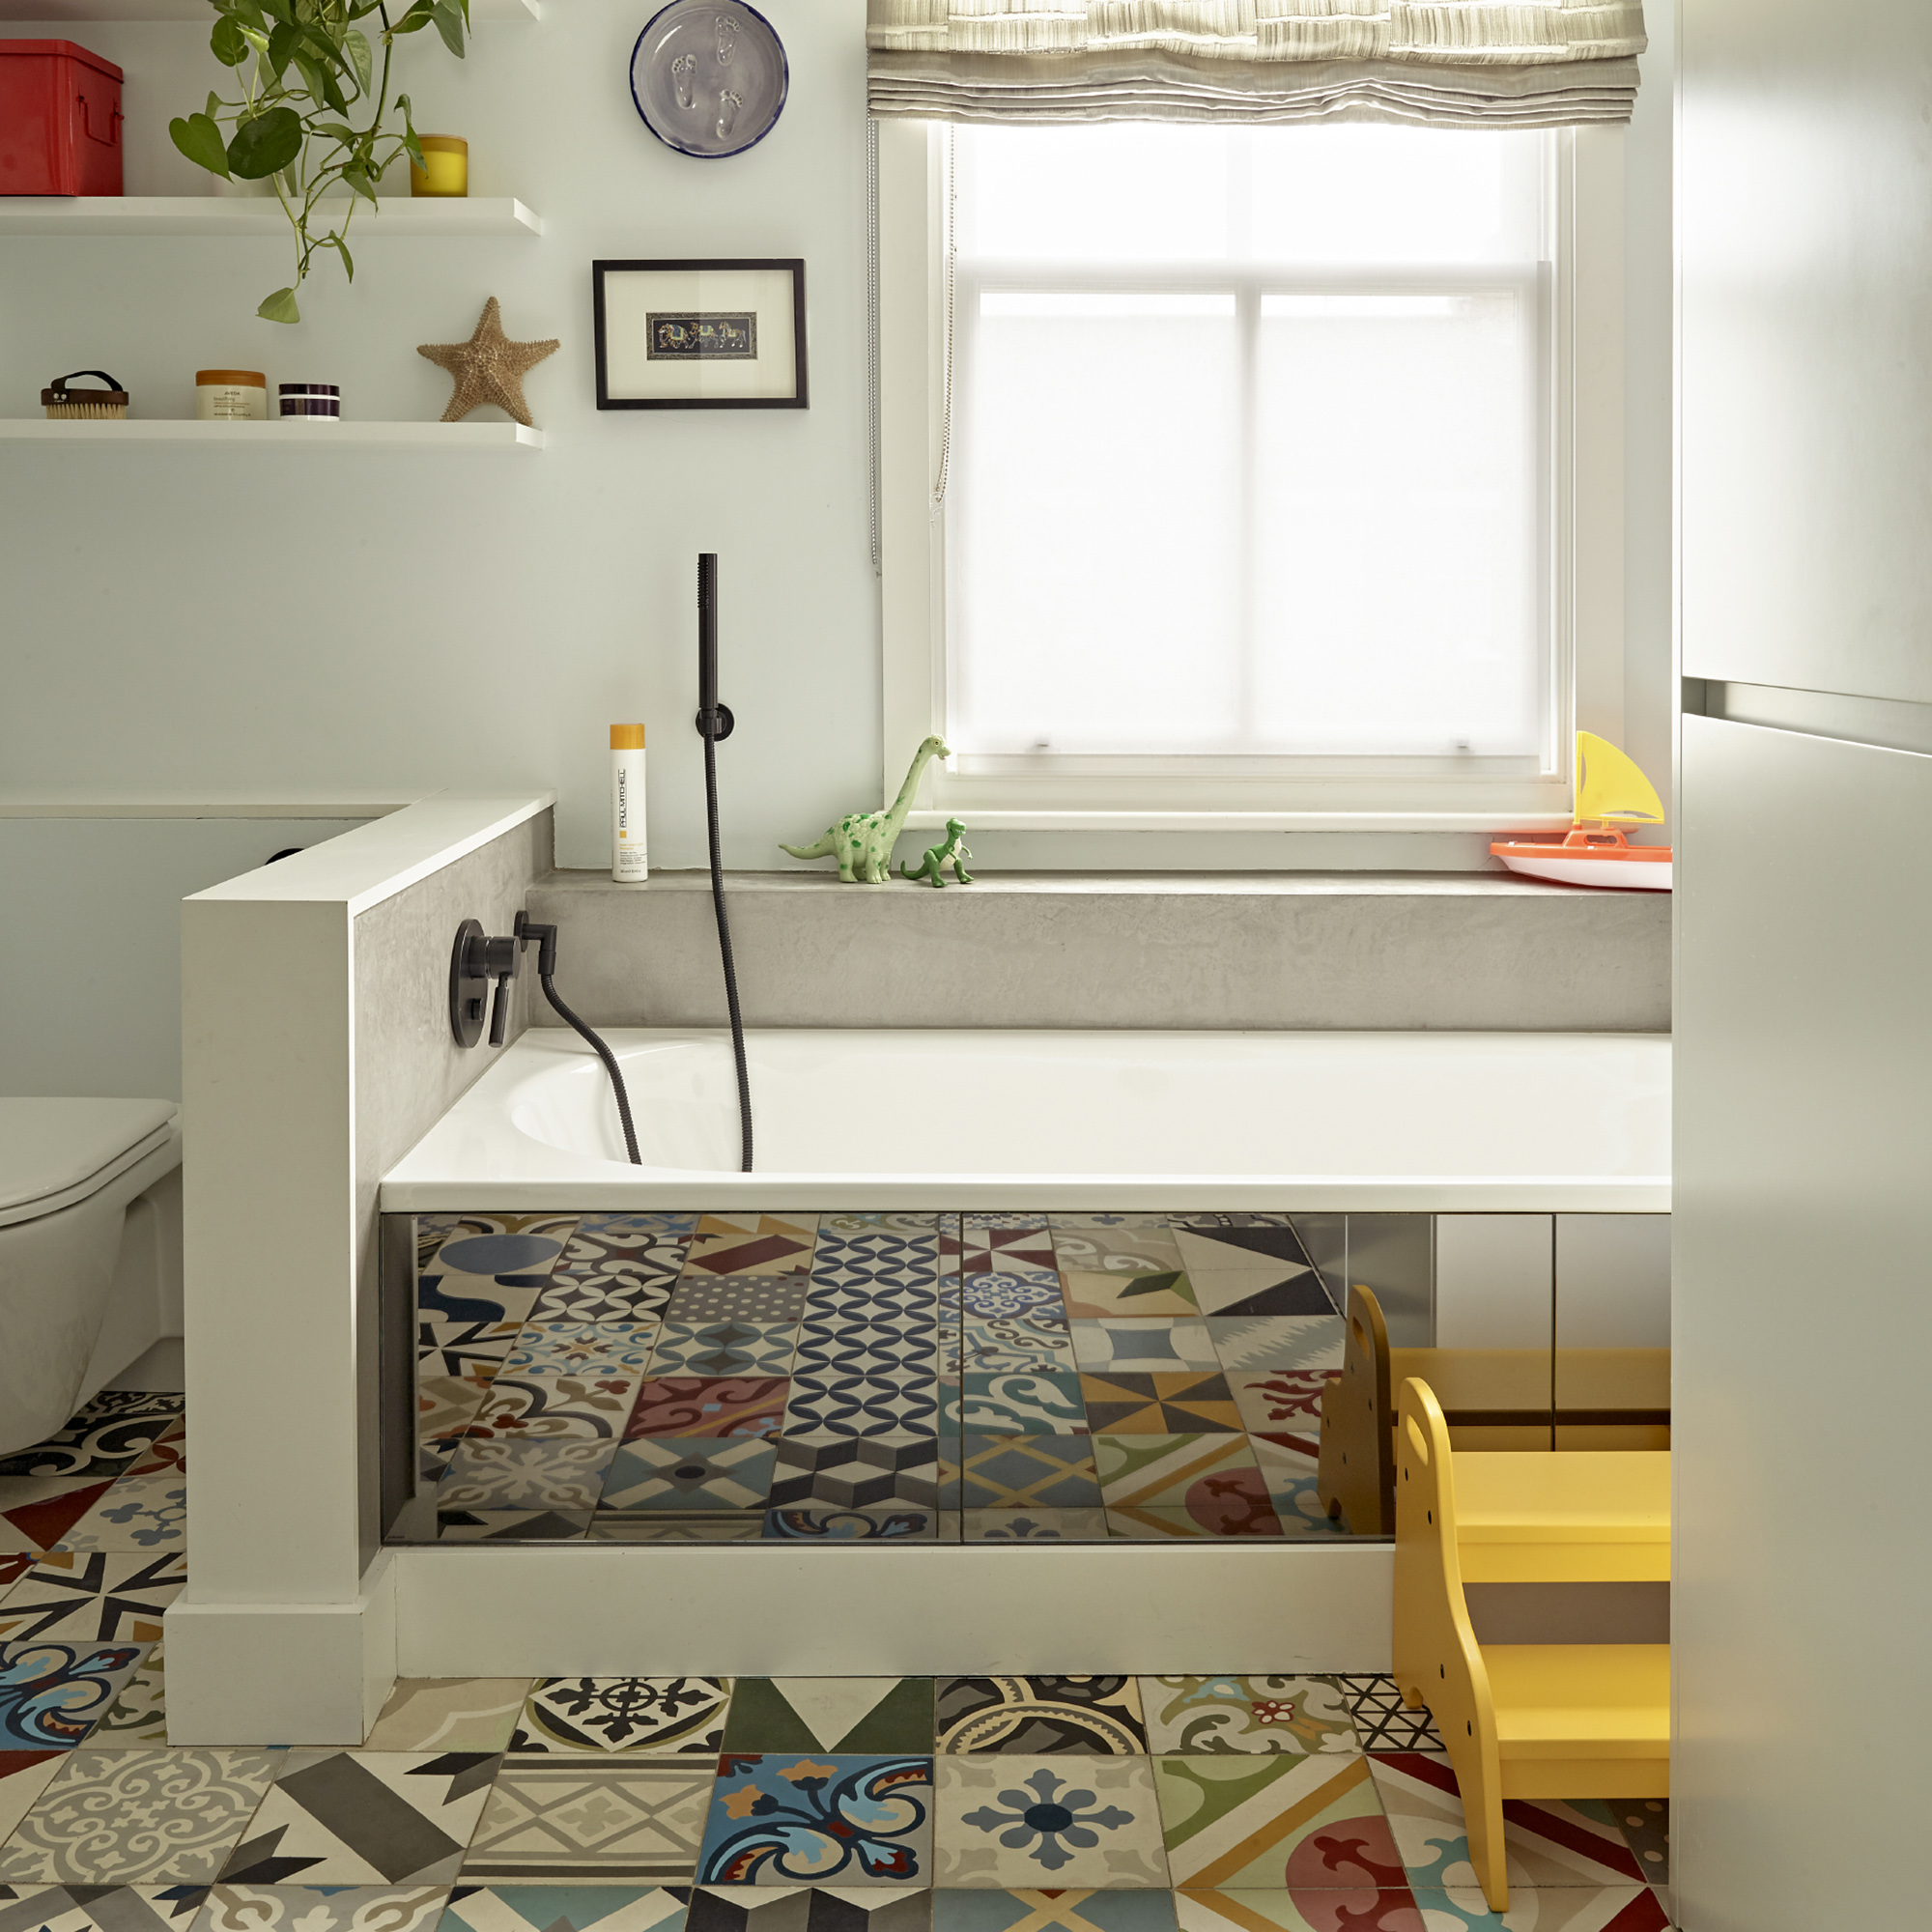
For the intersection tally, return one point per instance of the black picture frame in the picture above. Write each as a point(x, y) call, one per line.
point(602, 271)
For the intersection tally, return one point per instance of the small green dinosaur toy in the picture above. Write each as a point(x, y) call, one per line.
point(953, 851)
point(862, 842)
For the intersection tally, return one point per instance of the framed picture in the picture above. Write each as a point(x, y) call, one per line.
point(701, 335)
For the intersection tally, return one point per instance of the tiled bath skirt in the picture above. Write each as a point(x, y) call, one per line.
point(985, 1377)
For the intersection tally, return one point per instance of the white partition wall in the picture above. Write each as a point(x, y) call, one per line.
point(286, 1633)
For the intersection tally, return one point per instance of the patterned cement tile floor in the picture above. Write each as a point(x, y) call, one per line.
point(989, 1378)
point(802, 1804)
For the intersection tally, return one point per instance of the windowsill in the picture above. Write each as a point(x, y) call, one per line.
point(1495, 885)
point(1491, 822)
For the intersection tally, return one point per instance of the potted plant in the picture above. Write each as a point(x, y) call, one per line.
point(309, 74)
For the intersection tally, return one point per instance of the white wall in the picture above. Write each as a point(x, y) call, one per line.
point(198, 618)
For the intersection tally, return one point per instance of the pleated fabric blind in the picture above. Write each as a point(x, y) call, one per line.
point(1458, 63)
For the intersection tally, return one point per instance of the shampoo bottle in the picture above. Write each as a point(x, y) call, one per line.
point(629, 862)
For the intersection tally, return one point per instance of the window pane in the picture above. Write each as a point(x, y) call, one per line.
point(1094, 544)
point(1247, 452)
point(1396, 606)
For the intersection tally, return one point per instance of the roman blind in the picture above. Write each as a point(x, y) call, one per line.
point(1458, 63)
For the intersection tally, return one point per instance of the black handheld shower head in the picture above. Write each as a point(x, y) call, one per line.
point(714, 720)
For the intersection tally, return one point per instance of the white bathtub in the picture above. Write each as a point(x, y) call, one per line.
point(1525, 1123)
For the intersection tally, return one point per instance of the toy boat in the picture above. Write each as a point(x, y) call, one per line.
point(1611, 792)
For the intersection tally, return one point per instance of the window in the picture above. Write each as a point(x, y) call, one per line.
point(1243, 479)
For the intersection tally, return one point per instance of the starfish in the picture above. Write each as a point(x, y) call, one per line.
point(489, 368)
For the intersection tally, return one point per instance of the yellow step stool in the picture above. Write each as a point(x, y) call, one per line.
point(1567, 1516)
point(1518, 1720)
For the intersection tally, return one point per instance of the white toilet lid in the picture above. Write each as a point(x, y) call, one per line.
point(64, 1147)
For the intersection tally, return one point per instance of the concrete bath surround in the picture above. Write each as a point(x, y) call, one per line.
point(1469, 952)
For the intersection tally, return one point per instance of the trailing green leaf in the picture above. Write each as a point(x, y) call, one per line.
point(449, 24)
point(228, 42)
point(280, 308)
point(281, 48)
point(416, 18)
point(360, 182)
point(360, 57)
point(200, 140)
point(264, 145)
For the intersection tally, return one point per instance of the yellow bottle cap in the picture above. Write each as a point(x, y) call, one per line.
point(627, 737)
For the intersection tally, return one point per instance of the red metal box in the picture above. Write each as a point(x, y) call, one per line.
point(60, 120)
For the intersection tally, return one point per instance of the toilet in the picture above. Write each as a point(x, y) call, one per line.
point(90, 1251)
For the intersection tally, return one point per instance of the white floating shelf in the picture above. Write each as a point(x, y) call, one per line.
point(397, 215)
point(477, 438)
point(197, 10)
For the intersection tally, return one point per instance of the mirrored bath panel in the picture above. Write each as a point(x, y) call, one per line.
point(912, 1378)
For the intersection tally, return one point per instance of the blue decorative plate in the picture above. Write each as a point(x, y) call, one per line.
point(709, 80)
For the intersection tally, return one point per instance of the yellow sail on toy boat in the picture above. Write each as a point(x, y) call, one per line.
point(1611, 792)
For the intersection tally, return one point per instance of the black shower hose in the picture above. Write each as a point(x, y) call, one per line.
point(604, 1054)
point(725, 957)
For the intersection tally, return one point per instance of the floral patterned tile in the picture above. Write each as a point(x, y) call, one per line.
point(1039, 1822)
point(1054, 1525)
point(1243, 1821)
point(447, 1405)
point(317, 1908)
point(1016, 1404)
point(1287, 1400)
point(139, 1512)
point(682, 1714)
point(563, 1474)
point(1550, 1844)
point(178, 1815)
point(106, 1438)
point(1031, 1715)
point(596, 1349)
point(1017, 1292)
point(1009, 1344)
point(529, 1407)
point(1278, 1716)
point(872, 1523)
point(1128, 1244)
point(821, 1818)
point(167, 1458)
point(839, 1226)
point(24, 1776)
point(709, 1406)
point(1290, 1468)
point(682, 1474)
point(137, 1719)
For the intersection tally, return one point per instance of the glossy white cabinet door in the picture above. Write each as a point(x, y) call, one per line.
point(1805, 173)
point(1803, 1332)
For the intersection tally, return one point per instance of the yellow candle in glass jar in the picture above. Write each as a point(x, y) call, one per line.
point(446, 168)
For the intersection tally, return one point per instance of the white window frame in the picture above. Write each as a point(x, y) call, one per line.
point(1586, 544)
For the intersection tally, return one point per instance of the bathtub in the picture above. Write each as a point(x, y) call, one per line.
point(1163, 1121)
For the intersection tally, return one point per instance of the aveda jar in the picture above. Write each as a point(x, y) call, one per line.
point(231, 395)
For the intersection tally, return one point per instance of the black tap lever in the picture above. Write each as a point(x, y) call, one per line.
point(477, 959)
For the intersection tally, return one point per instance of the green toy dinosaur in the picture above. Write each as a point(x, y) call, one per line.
point(953, 851)
point(862, 842)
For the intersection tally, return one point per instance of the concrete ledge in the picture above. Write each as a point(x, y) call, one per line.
point(1462, 952)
